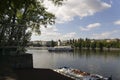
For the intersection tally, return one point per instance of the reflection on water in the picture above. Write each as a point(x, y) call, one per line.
point(104, 63)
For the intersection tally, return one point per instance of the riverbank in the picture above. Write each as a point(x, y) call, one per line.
point(31, 74)
point(39, 74)
point(46, 48)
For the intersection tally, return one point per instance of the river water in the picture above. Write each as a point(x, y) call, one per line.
point(105, 63)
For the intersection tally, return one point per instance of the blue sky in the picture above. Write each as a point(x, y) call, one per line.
point(95, 19)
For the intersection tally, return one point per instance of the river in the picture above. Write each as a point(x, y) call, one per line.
point(105, 63)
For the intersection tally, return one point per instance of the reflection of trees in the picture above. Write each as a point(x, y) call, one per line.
point(89, 53)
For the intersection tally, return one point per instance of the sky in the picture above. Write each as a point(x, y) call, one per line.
point(94, 19)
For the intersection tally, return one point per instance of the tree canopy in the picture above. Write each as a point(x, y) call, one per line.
point(17, 16)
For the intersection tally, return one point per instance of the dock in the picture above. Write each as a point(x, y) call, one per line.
point(39, 74)
point(31, 74)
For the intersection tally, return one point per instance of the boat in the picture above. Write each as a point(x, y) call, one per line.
point(80, 75)
point(60, 49)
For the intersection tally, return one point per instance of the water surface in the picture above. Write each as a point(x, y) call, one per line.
point(104, 63)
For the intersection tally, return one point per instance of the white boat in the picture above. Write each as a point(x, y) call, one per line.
point(80, 75)
point(60, 49)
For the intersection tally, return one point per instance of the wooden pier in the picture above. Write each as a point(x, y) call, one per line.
point(39, 74)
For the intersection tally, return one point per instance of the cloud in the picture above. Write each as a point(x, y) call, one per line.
point(117, 22)
point(111, 2)
point(105, 35)
point(90, 26)
point(72, 8)
point(67, 36)
point(51, 33)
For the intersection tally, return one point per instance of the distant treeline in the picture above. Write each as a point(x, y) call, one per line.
point(94, 44)
point(82, 43)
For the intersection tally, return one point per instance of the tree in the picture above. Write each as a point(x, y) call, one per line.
point(80, 43)
point(53, 43)
point(88, 43)
point(93, 45)
point(17, 16)
point(101, 46)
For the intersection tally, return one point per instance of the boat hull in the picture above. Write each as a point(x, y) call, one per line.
point(80, 75)
point(60, 49)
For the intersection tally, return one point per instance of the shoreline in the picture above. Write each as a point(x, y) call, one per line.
point(104, 49)
point(46, 48)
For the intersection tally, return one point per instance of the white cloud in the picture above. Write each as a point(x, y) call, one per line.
point(111, 2)
point(72, 8)
point(105, 35)
point(51, 33)
point(117, 22)
point(68, 36)
point(90, 26)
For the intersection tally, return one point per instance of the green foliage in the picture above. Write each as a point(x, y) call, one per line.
point(17, 16)
point(88, 43)
point(53, 43)
point(94, 44)
point(100, 44)
point(58, 2)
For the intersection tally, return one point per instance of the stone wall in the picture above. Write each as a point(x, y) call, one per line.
point(17, 61)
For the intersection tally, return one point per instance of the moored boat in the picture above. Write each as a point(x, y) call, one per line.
point(80, 75)
point(60, 49)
